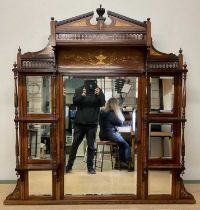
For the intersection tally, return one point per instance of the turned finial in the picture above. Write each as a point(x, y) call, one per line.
point(180, 51)
point(19, 49)
point(185, 65)
point(52, 18)
point(100, 11)
point(15, 65)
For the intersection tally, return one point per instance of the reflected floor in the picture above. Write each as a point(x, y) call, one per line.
point(107, 182)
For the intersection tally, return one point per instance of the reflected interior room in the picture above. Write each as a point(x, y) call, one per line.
point(161, 101)
point(113, 180)
point(39, 102)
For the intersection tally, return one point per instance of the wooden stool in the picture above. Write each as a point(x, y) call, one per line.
point(111, 144)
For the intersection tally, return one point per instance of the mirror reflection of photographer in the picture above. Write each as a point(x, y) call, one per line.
point(88, 99)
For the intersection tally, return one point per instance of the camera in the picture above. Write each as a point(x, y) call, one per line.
point(90, 86)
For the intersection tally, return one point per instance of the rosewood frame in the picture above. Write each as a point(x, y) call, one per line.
point(123, 48)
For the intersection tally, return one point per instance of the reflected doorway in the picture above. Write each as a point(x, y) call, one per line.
point(109, 180)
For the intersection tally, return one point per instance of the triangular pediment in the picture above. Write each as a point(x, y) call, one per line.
point(120, 21)
point(75, 23)
point(83, 23)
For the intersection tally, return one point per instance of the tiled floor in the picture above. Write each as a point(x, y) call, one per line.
point(5, 189)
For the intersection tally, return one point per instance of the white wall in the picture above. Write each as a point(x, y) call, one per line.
point(175, 24)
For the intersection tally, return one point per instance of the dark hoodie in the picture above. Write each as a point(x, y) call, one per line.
point(88, 107)
point(108, 121)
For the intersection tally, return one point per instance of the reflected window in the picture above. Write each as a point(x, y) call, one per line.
point(159, 182)
point(39, 141)
point(160, 140)
point(162, 94)
point(38, 94)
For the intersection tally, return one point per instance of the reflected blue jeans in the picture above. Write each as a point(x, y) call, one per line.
point(124, 148)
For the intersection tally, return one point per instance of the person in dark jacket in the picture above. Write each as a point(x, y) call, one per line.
point(88, 99)
point(111, 118)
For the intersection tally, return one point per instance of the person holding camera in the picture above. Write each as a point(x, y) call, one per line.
point(88, 99)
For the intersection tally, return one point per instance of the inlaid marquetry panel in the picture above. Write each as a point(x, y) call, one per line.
point(126, 57)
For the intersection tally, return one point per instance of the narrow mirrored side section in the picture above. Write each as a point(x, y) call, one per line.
point(159, 182)
point(114, 175)
point(39, 141)
point(38, 94)
point(162, 94)
point(40, 183)
point(160, 140)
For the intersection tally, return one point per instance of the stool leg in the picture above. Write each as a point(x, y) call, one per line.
point(102, 158)
point(99, 155)
point(85, 155)
point(119, 162)
point(111, 155)
point(95, 165)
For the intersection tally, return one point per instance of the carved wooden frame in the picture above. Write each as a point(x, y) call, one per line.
point(77, 47)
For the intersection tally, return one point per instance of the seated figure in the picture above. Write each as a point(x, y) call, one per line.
point(111, 117)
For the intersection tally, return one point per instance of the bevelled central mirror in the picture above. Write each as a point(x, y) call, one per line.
point(110, 178)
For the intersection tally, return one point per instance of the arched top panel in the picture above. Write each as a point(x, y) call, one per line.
point(75, 43)
point(80, 31)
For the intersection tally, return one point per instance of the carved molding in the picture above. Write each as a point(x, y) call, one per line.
point(184, 194)
point(83, 22)
point(85, 36)
point(122, 17)
point(37, 63)
point(15, 195)
point(79, 17)
point(154, 52)
point(47, 52)
point(163, 65)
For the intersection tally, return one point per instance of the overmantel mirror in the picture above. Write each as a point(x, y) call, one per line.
point(150, 87)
